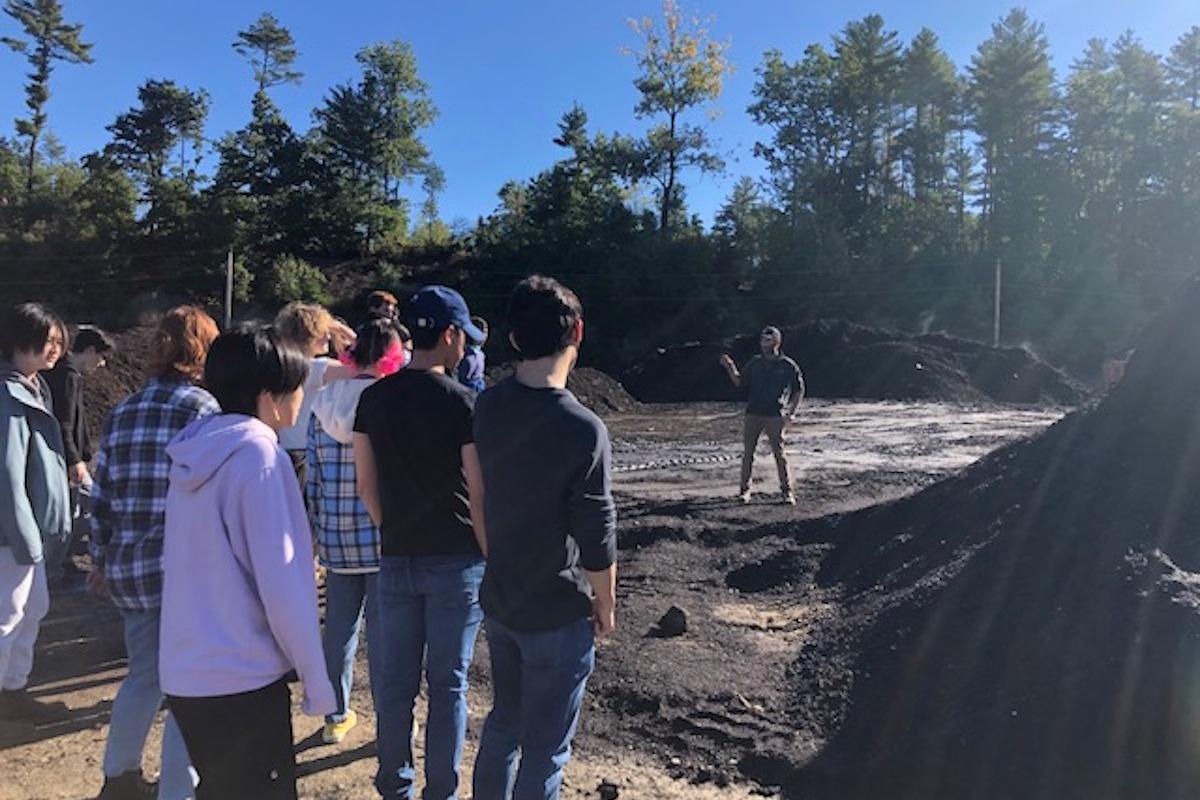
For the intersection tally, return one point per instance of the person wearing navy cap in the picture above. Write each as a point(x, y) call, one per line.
point(419, 478)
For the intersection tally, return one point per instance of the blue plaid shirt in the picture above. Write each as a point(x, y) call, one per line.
point(347, 539)
point(129, 493)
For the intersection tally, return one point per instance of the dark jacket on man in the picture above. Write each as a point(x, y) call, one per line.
point(66, 389)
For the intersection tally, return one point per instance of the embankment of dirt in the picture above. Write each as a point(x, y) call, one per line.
point(597, 390)
point(844, 360)
point(1034, 624)
point(126, 372)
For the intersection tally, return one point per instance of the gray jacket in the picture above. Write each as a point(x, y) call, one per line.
point(34, 498)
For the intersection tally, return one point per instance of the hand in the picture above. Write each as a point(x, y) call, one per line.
point(97, 584)
point(342, 337)
point(604, 618)
point(77, 474)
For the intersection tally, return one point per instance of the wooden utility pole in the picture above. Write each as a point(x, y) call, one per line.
point(229, 289)
point(996, 319)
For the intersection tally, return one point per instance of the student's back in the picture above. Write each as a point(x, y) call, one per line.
point(418, 421)
point(545, 461)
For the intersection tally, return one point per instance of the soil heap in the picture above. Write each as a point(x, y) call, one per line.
point(597, 390)
point(844, 360)
point(1034, 623)
point(124, 374)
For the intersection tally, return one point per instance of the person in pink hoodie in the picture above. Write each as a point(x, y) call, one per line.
point(239, 610)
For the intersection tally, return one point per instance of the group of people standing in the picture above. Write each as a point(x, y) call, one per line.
point(434, 509)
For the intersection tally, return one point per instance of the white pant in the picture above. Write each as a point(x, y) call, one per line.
point(24, 600)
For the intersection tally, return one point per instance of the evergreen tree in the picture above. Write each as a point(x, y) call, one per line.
point(49, 40)
point(269, 48)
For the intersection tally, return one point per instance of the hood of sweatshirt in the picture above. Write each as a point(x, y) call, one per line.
point(336, 405)
point(31, 391)
point(203, 447)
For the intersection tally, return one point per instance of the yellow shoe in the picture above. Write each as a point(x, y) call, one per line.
point(334, 732)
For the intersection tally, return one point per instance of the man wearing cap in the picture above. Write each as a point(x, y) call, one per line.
point(418, 476)
point(774, 388)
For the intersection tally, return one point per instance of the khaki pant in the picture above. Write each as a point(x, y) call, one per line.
point(755, 427)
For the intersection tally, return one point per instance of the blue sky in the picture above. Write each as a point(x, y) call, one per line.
point(503, 72)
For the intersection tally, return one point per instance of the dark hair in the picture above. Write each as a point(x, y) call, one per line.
point(427, 338)
point(181, 344)
point(372, 341)
point(26, 327)
point(249, 360)
point(88, 336)
point(379, 300)
point(403, 332)
point(542, 313)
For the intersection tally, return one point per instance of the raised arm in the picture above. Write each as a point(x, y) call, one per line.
point(731, 369)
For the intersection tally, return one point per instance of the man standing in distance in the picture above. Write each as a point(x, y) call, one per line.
point(418, 476)
point(550, 586)
point(774, 388)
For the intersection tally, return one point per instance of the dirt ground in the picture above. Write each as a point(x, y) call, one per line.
point(702, 715)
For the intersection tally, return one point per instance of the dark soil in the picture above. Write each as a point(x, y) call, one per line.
point(844, 360)
point(1034, 623)
point(127, 368)
point(124, 374)
point(1028, 628)
point(598, 391)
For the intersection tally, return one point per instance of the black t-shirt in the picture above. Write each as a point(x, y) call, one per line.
point(418, 423)
point(770, 384)
point(547, 473)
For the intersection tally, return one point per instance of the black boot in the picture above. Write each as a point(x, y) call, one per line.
point(128, 786)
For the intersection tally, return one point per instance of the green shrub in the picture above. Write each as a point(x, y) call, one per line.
point(295, 279)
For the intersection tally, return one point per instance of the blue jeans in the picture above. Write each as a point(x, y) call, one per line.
point(134, 709)
point(428, 614)
point(538, 680)
point(345, 599)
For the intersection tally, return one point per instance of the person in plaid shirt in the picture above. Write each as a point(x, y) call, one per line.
point(347, 539)
point(129, 499)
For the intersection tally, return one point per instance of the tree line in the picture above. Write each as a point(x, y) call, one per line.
point(896, 183)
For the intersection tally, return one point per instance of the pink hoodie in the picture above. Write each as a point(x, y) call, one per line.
point(239, 595)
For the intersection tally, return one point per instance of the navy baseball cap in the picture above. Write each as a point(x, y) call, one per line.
point(439, 307)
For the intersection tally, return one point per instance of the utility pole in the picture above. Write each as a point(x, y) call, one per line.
point(996, 320)
point(229, 289)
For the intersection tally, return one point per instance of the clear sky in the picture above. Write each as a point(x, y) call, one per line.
point(502, 72)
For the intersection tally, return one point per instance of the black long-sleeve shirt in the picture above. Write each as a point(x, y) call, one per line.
point(549, 510)
point(66, 389)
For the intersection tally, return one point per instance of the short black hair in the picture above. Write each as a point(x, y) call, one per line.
point(26, 327)
point(89, 336)
point(372, 340)
point(427, 338)
point(248, 360)
point(542, 313)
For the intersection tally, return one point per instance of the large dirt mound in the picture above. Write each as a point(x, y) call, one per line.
point(124, 374)
point(1035, 622)
point(844, 360)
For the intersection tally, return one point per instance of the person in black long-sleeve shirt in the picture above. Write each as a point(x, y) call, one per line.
point(550, 584)
point(90, 349)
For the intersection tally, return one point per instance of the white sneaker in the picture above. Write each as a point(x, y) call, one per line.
point(789, 499)
point(744, 497)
